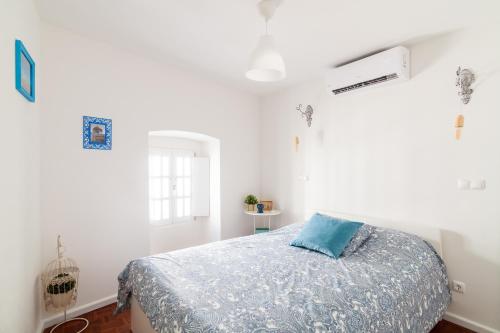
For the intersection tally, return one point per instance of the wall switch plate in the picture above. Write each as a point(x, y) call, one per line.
point(479, 184)
point(458, 286)
point(463, 184)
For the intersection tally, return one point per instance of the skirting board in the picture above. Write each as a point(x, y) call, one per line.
point(79, 310)
point(467, 323)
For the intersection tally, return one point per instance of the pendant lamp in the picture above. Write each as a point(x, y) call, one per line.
point(266, 63)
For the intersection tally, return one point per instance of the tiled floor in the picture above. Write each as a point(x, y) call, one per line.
point(103, 321)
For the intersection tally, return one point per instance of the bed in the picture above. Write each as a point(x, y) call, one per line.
point(395, 282)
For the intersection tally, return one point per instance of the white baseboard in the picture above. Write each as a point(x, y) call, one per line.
point(467, 323)
point(79, 310)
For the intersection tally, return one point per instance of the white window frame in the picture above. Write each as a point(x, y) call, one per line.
point(173, 177)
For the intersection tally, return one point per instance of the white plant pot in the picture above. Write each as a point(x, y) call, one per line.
point(62, 300)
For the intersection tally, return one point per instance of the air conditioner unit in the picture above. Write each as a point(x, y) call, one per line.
point(386, 67)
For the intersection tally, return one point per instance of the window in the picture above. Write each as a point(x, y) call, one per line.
point(170, 186)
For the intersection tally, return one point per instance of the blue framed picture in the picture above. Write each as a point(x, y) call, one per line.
point(96, 133)
point(25, 72)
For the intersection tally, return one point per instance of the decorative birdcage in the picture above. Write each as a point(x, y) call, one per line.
point(60, 286)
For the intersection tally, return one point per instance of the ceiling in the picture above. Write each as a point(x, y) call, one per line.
point(216, 37)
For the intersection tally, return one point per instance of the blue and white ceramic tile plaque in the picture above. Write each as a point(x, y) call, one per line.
point(97, 133)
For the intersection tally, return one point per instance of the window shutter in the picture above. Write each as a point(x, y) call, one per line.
point(201, 186)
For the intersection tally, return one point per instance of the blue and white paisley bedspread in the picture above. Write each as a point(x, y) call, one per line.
point(395, 282)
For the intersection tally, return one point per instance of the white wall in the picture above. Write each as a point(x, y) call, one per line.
point(97, 200)
point(19, 175)
point(391, 153)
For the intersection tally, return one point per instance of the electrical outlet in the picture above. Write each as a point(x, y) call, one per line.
point(458, 286)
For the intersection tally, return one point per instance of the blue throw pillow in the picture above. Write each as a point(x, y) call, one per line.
point(326, 234)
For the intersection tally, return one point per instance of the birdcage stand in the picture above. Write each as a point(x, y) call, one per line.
point(70, 320)
point(60, 285)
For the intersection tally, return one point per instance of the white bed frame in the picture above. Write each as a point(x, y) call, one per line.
point(140, 322)
point(431, 234)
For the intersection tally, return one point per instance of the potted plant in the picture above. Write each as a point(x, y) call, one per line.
point(61, 289)
point(251, 200)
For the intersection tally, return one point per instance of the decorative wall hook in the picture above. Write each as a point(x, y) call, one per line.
point(465, 78)
point(307, 113)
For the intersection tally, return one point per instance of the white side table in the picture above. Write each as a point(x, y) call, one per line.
point(267, 214)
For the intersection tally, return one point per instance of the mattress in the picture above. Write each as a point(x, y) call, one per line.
point(395, 282)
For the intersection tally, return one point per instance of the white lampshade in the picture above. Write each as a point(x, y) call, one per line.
point(266, 64)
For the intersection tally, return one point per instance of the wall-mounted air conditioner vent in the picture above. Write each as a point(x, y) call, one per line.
point(392, 65)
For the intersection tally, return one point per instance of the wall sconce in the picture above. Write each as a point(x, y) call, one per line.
point(296, 143)
point(459, 124)
point(307, 113)
point(465, 78)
